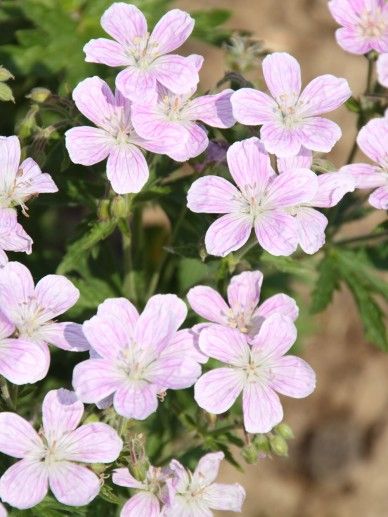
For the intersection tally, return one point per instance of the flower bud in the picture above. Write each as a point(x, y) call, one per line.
point(278, 445)
point(250, 453)
point(261, 443)
point(285, 431)
point(121, 207)
point(103, 210)
point(39, 95)
point(5, 74)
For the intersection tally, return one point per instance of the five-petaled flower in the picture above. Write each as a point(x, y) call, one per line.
point(196, 494)
point(290, 118)
point(364, 25)
point(114, 138)
point(262, 201)
point(258, 368)
point(137, 357)
point(173, 119)
point(243, 311)
point(32, 311)
point(372, 140)
point(54, 457)
point(146, 56)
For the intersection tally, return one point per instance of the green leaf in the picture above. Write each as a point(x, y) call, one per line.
point(6, 93)
point(98, 231)
point(107, 494)
point(287, 265)
point(326, 284)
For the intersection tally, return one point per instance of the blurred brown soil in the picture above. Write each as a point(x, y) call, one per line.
point(337, 465)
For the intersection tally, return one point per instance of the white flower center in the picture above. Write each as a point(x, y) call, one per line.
point(143, 51)
point(372, 24)
point(172, 107)
point(29, 317)
point(240, 318)
point(131, 362)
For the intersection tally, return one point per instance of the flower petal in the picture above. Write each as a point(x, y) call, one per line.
point(12, 235)
point(320, 134)
point(228, 233)
point(95, 100)
point(281, 140)
point(6, 327)
point(225, 344)
point(213, 195)
point(193, 141)
point(177, 73)
point(23, 361)
point(292, 377)
point(382, 69)
point(282, 75)
point(349, 39)
point(364, 175)
point(137, 84)
point(214, 110)
point(302, 160)
point(276, 336)
point(311, 229)
point(16, 288)
point(332, 187)
point(96, 379)
point(144, 503)
point(244, 291)
point(127, 169)
point(106, 52)
point(32, 181)
point(173, 371)
point(372, 140)
point(250, 165)
point(207, 469)
point(219, 496)
point(252, 107)
point(345, 12)
point(379, 198)
point(25, 484)
point(65, 335)
point(92, 443)
point(278, 304)
point(216, 391)
point(123, 477)
point(291, 188)
point(71, 484)
point(122, 309)
point(55, 294)
point(88, 145)
point(17, 436)
point(107, 335)
point(136, 399)
point(209, 304)
point(261, 408)
point(125, 23)
point(185, 343)
point(323, 94)
point(171, 31)
point(61, 412)
point(276, 232)
point(10, 159)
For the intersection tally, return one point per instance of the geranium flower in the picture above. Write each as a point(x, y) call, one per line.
point(146, 57)
point(113, 138)
point(136, 357)
point(260, 202)
point(54, 458)
point(242, 311)
point(332, 186)
point(290, 118)
point(197, 494)
point(22, 361)
point(372, 140)
point(364, 25)
point(12, 235)
point(33, 309)
point(174, 119)
point(151, 494)
point(259, 372)
point(382, 69)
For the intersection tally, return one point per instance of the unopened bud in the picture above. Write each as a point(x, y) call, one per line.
point(98, 468)
point(261, 443)
point(121, 207)
point(6, 93)
point(39, 94)
point(285, 431)
point(250, 453)
point(103, 210)
point(5, 74)
point(278, 445)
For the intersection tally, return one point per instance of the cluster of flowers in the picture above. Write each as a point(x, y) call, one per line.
point(134, 359)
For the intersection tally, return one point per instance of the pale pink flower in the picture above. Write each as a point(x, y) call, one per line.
point(242, 311)
point(290, 118)
point(20, 181)
point(372, 140)
point(151, 494)
point(197, 494)
point(3, 511)
point(136, 357)
point(33, 309)
point(22, 361)
point(12, 235)
point(259, 371)
point(146, 56)
point(364, 25)
point(382, 69)
point(54, 458)
point(174, 119)
point(260, 202)
point(332, 186)
point(113, 138)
